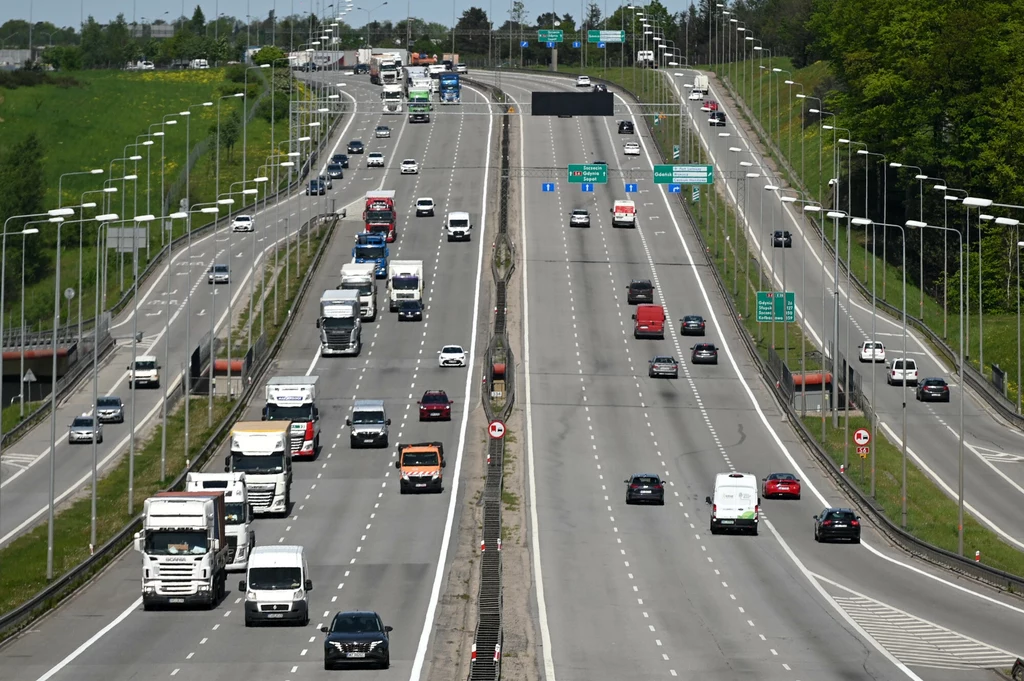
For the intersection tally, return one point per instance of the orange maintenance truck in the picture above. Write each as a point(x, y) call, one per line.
point(420, 467)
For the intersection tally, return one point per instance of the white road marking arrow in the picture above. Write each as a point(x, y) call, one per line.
point(201, 313)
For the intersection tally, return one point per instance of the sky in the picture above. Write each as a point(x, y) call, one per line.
point(70, 12)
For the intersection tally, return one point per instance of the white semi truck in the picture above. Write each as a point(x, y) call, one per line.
point(391, 98)
point(361, 277)
point(262, 450)
point(339, 323)
point(293, 398)
point(184, 549)
point(405, 282)
point(238, 516)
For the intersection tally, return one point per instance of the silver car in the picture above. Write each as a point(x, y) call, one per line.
point(81, 430)
point(219, 274)
point(110, 409)
point(663, 365)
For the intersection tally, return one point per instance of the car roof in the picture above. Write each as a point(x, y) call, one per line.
point(408, 160)
point(455, 348)
point(356, 142)
point(639, 281)
point(645, 475)
point(458, 215)
point(434, 392)
point(706, 346)
point(692, 316)
point(424, 199)
point(934, 378)
point(382, 127)
point(659, 358)
point(356, 613)
point(581, 210)
point(376, 153)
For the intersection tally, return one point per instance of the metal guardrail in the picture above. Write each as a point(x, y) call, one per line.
point(82, 367)
point(66, 584)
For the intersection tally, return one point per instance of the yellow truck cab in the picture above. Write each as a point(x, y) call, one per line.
point(420, 467)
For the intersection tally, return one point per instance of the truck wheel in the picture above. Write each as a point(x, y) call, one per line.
point(147, 606)
point(316, 444)
point(384, 445)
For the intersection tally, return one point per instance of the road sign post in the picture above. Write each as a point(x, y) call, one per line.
point(496, 429)
point(606, 36)
point(549, 36)
point(776, 306)
point(685, 173)
point(588, 173)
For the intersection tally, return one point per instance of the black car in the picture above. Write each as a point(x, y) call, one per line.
point(640, 291)
point(335, 172)
point(410, 311)
point(693, 325)
point(717, 118)
point(704, 353)
point(309, 66)
point(357, 637)
point(663, 365)
point(340, 159)
point(316, 188)
point(355, 147)
point(600, 87)
point(782, 239)
point(933, 390)
point(361, 69)
point(837, 523)
point(600, 163)
point(645, 488)
point(626, 127)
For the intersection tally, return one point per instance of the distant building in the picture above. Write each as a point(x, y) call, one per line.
point(13, 59)
point(154, 31)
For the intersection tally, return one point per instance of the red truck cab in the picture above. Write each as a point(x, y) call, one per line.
point(380, 216)
point(649, 322)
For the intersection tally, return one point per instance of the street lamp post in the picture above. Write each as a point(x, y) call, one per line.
point(946, 199)
point(81, 249)
point(60, 182)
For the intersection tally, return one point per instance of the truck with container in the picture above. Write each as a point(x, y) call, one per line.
point(361, 278)
point(451, 90)
point(375, 75)
point(379, 214)
point(372, 249)
point(701, 84)
point(420, 467)
point(419, 105)
point(390, 66)
point(449, 60)
point(624, 214)
point(238, 517)
point(405, 282)
point(262, 450)
point(391, 98)
point(293, 398)
point(422, 59)
point(414, 72)
point(339, 323)
point(184, 549)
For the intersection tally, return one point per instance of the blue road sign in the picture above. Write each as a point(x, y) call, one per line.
point(551, 45)
point(587, 187)
point(576, 43)
point(524, 43)
point(675, 188)
point(600, 46)
point(547, 186)
point(630, 188)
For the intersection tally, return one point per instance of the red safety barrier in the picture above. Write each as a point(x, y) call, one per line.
point(811, 379)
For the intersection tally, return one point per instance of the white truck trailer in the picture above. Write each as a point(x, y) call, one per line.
point(262, 450)
point(391, 98)
point(293, 398)
point(184, 549)
point(361, 277)
point(405, 282)
point(238, 517)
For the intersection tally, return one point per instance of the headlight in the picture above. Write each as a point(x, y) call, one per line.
point(298, 595)
point(204, 587)
point(405, 476)
point(434, 476)
point(250, 595)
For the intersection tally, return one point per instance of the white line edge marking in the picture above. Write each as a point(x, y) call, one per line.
point(95, 637)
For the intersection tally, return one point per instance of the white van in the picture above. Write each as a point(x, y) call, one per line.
point(146, 371)
point(736, 503)
point(277, 585)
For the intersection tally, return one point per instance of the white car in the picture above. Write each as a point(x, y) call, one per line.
point(901, 370)
point(242, 223)
point(451, 356)
point(696, 96)
point(424, 208)
point(375, 159)
point(631, 149)
point(872, 351)
point(410, 167)
point(461, 68)
point(582, 81)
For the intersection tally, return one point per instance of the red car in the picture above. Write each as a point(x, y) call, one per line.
point(780, 485)
point(435, 406)
point(709, 105)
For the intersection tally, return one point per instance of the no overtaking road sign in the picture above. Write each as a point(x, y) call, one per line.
point(861, 437)
point(496, 429)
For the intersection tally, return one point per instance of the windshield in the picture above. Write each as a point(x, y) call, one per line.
point(435, 398)
point(420, 459)
point(377, 156)
point(175, 543)
point(108, 402)
point(339, 323)
point(145, 365)
point(234, 513)
point(405, 283)
point(379, 216)
point(363, 289)
point(334, 168)
point(645, 480)
point(451, 350)
point(243, 218)
point(424, 204)
point(220, 268)
point(371, 251)
point(410, 306)
point(458, 223)
point(275, 578)
point(367, 418)
point(302, 412)
point(82, 422)
point(274, 463)
point(355, 624)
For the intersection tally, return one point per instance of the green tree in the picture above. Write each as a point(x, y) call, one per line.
point(268, 55)
point(22, 188)
point(230, 131)
point(471, 31)
point(197, 25)
point(64, 57)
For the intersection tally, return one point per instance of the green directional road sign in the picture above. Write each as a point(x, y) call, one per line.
point(776, 306)
point(684, 174)
point(588, 173)
point(606, 36)
point(550, 36)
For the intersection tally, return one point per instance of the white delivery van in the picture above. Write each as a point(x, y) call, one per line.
point(277, 585)
point(735, 504)
point(624, 214)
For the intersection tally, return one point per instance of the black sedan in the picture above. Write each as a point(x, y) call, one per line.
point(933, 390)
point(340, 159)
point(357, 637)
point(335, 172)
point(663, 365)
point(782, 239)
point(316, 188)
point(704, 353)
point(645, 488)
point(837, 523)
point(625, 127)
point(410, 311)
point(355, 147)
point(693, 325)
point(717, 119)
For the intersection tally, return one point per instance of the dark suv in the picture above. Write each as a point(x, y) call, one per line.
point(640, 291)
point(645, 488)
point(717, 118)
point(625, 127)
point(355, 147)
point(837, 523)
point(693, 325)
point(361, 69)
point(782, 239)
point(340, 159)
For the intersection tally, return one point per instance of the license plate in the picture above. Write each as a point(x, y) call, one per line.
point(840, 526)
point(421, 484)
point(275, 616)
point(726, 522)
point(367, 439)
point(783, 486)
point(176, 600)
point(435, 413)
point(645, 491)
point(356, 655)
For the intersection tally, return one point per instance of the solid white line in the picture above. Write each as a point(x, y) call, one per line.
point(85, 646)
point(538, 575)
point(435, 590)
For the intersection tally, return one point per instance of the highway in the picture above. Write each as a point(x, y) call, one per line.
point(180, 312)
point(651, 591)
point(367, 546)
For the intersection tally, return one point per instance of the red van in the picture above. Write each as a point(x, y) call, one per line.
point(649, 322)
